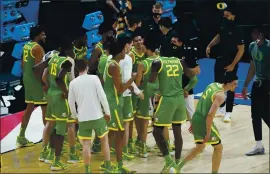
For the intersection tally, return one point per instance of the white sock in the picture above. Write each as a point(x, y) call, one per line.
point(259, 144)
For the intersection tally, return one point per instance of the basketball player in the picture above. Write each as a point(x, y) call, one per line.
point(80, 45)
point(83, 90)
point(58, 109)
point(259, 65)
point(104, 57)
point(144, 70)
point(47, 153)
point(34, 94)
point(104, 30)
point(171, 108)
point(137, 54)
point(203, 128)
point(114, 88)
point(126, 66)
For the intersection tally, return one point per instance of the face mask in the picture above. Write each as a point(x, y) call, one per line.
point(157, 15)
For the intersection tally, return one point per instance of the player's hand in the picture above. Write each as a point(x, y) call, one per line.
point(229, 68)
point(190, 129)
point(206, 138)
point(107, 118)
point(131, 88)
point(244, 93)
point(141, 96)
point(65, 95)
point(186, 93)
point(208, 51)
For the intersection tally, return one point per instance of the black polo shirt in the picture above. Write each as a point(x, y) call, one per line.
point(230, 37)
point(150, 26)
point(191, 61)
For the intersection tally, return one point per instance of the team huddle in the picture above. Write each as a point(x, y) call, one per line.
point(130, 74)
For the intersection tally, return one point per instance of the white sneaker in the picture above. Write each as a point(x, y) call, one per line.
point(227, 118)
point(221, 112)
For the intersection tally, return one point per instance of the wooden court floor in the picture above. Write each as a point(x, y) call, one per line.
point(237, 138)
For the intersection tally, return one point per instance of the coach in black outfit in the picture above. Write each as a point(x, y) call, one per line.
point(232, 49)
point(171, 44)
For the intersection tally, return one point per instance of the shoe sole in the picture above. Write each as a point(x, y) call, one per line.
point(48, 161)
point(255, 154)
point(74, 161)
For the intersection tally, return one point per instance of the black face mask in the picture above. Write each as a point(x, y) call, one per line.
point(156, 15)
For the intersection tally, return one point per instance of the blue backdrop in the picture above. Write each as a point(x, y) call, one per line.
point(207, 76)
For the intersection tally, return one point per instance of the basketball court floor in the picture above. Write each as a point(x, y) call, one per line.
point(237, 138)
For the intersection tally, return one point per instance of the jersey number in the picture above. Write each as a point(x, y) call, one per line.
point(53, 69)
point(172, 71)
point(25, 55)
point(206, 93)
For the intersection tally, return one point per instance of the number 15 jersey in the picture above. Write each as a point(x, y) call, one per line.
point(170, 76)
point(54, 67)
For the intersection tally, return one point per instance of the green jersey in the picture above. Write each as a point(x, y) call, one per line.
point(54, 67)
point(100, 46)
point(136, 58)
point(147, 64)
point(261, 59)
point(80, 53)
point(170, 76)
point(29, 62)
point(114, 98)
point(102, 64)
point(205, 103)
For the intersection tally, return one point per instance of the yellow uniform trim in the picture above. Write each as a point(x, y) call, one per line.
point(116, 96)
point(50, 119)
point(181, 64)
point(212, 97)
point(165, 125)
point(127, 120)
point(40, 103)
point(113, 129)
point(32, 49)
point(78, 48)
point(179, 122)
point(144, 118)
point(103, 134)
point(26, 101)
point(118, 120)
point(160, 100)
point(216, 132)
point(147, 67)
point(84, 138)
point(71, 121)
point(161, 66)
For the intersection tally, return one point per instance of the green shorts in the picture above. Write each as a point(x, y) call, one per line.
point(144, 105)
point(135, 103)
point(57, 108)
point(199, 132)
point(86, 128)
point(170, 110)
point(127, 109)
point(60, 127)
point(33, 93)
point(117, 122)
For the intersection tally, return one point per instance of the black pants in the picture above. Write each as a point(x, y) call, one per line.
point(260, 106)
point(219, 77)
